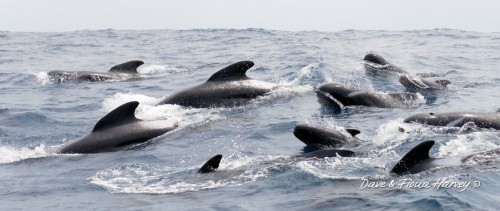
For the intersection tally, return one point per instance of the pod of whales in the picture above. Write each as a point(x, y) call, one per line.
point(418, 159)
point(342, 95)
point(125, 70)
point(118, 130)
point(226, 88)
point(230, 86)
point(457, 119)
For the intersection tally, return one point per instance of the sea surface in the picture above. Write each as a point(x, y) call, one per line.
point(38, 115)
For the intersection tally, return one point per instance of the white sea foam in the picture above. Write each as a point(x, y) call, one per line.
point(466, 144)
point(159, 69)
point(342, 168)
point(148, 110)
point(141, 178)
point(11, 154)
point(42, 77)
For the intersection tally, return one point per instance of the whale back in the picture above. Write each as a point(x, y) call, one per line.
point(121, 115)
point(323, 137)
point(236, 71)
point(414, 160)
point(129, 67)
point(328, 153)
point(375, 58)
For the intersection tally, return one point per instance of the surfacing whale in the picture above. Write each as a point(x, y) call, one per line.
point(377, 65)
point(118, 130)
point(424, 86)
point(121, 71)
point(457, 119)
point(342, 95)
point(226, 88)
point(418, 159)
point(325, 138)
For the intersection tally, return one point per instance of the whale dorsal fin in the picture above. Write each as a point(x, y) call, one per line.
point(498, 111)
point(122, 114)
point(127, 67)
point(232, 72)
point(443, 83)
point(413, 158)
point(210, 165)
point(353, 132)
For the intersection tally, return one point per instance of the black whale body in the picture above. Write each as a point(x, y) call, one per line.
point(342, 95)
point(418, 159)
point(377, 65)
point(118, 130)
point(457, 119)
point(226, 88)
point(424, 86)
point(325, 138)
point(120, 71)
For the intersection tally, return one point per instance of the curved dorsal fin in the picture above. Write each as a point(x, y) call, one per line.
point(353, 132)
point(235, 71)
point(413, 158)
point(127, 67)
point(124, 113)
point(210, 165)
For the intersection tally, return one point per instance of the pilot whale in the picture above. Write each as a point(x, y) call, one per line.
point(121, 71)
point(342, 95)
point(325, 138)
point(227, 87)
point(423, 86)
point(418, 159)
point(118, 130)
point(457, 119)
point(376, 65)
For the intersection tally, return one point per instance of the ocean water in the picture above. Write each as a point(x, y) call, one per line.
point(38, 115)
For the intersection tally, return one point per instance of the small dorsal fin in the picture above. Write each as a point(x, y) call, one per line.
point(127, 67)
point(123, 113)
point(353, 132)
point(443, 83)
point(210, 165)
point(235, 71)
point(498, 110)
point(416, 155)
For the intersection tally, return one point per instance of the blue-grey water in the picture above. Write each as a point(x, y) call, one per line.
point(38, 115)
